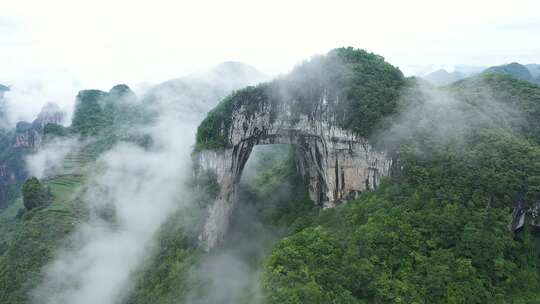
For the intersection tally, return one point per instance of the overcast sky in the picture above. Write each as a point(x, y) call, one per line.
point(98, 43)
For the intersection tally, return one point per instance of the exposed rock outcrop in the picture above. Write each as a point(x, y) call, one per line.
point(523, 214)
point(336, 164)
point(26, 136)
point(17, 144)
point(50, 114)
point(29, 135)
point(325, 108)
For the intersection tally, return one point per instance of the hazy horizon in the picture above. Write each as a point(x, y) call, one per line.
point(80, 45)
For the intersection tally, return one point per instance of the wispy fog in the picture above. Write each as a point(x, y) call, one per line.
point(28, 94)
point(130, 195)
point(447, 117)
point(129, 199)
point(50, 156)
point(230, 274)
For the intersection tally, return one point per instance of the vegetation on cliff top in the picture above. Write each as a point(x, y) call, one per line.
point(359, 87)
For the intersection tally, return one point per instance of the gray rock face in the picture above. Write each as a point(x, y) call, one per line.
point(336, 164)
point(16, 144)
point(26, 136)
point(31, 135)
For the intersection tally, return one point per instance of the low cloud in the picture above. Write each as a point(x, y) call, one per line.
point(28, 95)
point(50, 156)
point(131, 196)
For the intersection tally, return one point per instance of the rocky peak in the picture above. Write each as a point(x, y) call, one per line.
point(29, 135)
point(50, 113)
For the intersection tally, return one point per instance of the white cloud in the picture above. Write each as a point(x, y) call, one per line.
point(105, 42)
point(50, 156)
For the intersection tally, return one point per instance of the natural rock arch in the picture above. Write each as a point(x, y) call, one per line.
point(336, 163)
point(311, 109)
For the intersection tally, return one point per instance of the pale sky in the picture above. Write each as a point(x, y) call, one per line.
point(99, 43)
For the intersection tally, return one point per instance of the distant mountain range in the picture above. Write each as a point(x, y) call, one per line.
point(529, 72)
point(443, 77)
point(196, 94)
point(515, 69)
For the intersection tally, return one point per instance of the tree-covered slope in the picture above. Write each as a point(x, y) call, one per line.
point(34, 234)
point(443, 77)
point(437, 231)
point(32, 239)
point(37, 234)
point(515, 69)
point(517, 102)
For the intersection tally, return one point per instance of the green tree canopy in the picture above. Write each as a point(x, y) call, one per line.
point(34, 193)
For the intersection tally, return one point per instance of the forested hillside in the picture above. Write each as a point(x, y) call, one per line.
point(515, 69)
point(435, 231)
point(37, 224)
point(43, 215)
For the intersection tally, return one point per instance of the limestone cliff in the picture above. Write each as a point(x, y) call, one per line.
point(336, 164)
point(309, 110)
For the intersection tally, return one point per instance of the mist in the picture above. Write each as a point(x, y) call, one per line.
point(437, 117)
point(141, 188)
point(132, 192)
point(28, 95)
point(231, 273)
point(50, 156)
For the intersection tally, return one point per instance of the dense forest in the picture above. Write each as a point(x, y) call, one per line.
point(435, 231)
